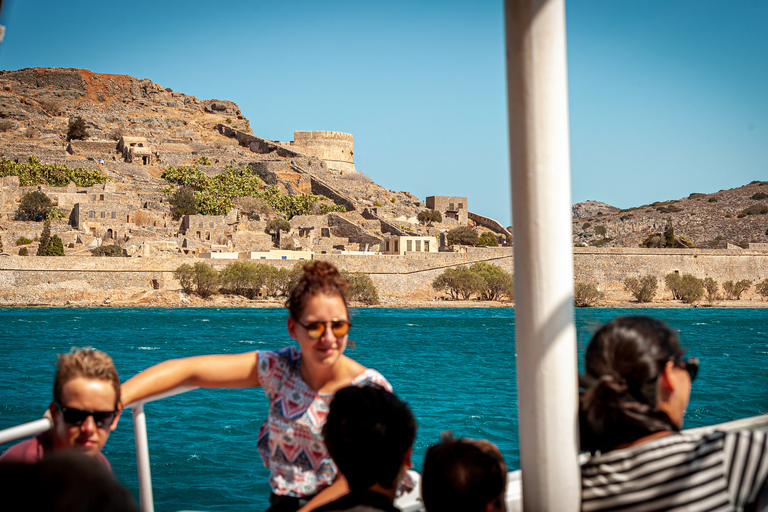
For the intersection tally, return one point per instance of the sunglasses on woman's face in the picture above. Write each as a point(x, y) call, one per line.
point(76, 417)
point(690, 364)
point(315, 330)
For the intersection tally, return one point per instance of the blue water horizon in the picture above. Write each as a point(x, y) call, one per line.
point(455, 367)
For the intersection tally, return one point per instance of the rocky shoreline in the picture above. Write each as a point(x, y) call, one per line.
point(178, 299)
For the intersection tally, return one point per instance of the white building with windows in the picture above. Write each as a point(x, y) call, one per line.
point(403, 244)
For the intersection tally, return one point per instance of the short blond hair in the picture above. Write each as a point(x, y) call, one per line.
point(88, 363)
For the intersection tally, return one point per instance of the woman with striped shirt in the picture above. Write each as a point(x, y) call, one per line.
point(633, 397)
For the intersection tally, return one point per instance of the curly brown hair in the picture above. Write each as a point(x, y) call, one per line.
point(85, 362)
point(319, 277)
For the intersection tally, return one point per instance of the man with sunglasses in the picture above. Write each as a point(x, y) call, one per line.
point(85, 408)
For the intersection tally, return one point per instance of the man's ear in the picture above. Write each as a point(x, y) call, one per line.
point(50, 413)
point(292, 328)
point(666, 380)
point(113, 426)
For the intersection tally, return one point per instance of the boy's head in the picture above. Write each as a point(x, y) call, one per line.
point(369, 434)
point(464, 474)
point(86, 398)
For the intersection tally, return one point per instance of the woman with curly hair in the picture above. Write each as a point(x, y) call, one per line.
point(632, 401)
point(298, 381)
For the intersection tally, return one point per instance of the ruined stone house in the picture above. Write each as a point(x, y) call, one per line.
point(450, 207)
point(135, 148)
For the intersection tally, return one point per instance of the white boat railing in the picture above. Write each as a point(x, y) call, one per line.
point(411, 503)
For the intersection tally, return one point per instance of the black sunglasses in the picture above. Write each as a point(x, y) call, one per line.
point(690, 364)
point(76, 417)
point(315, 330)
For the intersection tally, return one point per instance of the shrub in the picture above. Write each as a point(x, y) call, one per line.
point(715, 241)
point(487, 239)
point(23, 251)
point(710, 285)
point(586, 225)
point(691, 288)
point(496, 283)
point(35, 205)
point(111, 251)
point(203, 160)
point(22, 240)
point(601, 242)
point(643, 289)
point(244, 278)
point(186, 276)
point(278, 225)
point(253, 206)
point(653, 241)
point(6, 125)
point(460, 282)
point(33, 172)
point(712, 200)
point(393, 200)
point(669, 236)
point(206, 279)
point(49, 245)
point(762, 287)
point(77, 130)
point(760, 195)
point(733, 290)
point(601, 230)
point(672, 280)
point(462, 235)
point(428, 216)
point(586, 295)
point(54, 214)
point(183, 202)
point(755, 209)
point(361, 288)
point(31, 132)
point(277, 281)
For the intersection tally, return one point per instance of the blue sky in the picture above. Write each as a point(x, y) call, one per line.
point(666, 97)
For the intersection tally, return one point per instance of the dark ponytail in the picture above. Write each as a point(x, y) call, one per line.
point(617, 400)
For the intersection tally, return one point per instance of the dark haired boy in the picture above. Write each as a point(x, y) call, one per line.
point(465, 475)
point(369, 434)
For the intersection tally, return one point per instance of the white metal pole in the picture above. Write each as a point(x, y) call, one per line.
point(541, 211)
point(25, 430)
point(146, 501)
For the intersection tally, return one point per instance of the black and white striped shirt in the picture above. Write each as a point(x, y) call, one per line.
point(691, 472)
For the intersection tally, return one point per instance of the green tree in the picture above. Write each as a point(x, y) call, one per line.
point(34, 206)
point(669, 234)
point(487, 239)
point(206, 279)
point(253, 206)
point(643, 289)
point(77, 130)
point(183, 202)
point(710, 285)
point(586, 295)
point(428, 216)
point(691, 288)
point(276, 280)
point(762, 287)
point(733, 291)
point(55, 247)
point(674, 283)
point(495, 284)
point(460, 282)
point(113, 251)
point(462, 235)
point(244, 278)
point(45, 240)
point(361, 287)
point(186, 276)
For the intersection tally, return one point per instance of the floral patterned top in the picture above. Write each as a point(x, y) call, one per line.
point(290, 441)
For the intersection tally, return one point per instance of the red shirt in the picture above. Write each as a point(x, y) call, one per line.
point(35, 448)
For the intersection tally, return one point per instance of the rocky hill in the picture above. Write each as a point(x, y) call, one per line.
point(168, 128)
point(735, 216)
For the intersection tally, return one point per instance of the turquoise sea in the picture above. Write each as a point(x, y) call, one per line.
point(455, 367)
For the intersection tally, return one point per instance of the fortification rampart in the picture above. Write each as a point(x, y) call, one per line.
point(409, 275)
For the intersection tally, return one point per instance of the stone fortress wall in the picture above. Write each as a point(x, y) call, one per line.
point(335, 148)
point(406, 276)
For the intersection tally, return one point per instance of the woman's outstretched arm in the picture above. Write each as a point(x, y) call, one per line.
point(214, 371)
